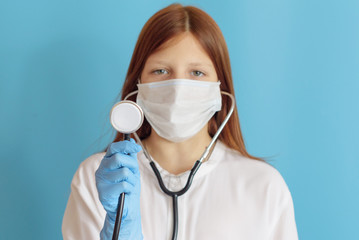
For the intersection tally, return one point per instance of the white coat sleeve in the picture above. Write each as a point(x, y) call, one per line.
point(283, 225)
point(84, 215)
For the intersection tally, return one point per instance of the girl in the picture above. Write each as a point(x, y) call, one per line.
point(180, 67)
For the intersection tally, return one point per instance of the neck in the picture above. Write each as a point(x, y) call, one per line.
point(179, 157)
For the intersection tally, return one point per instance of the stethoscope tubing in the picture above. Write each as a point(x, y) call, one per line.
point(176, 194)
point(120, 205)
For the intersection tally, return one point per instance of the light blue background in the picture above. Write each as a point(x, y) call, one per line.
point(296, 71)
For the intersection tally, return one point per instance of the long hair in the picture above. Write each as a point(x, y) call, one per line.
point(167, 24)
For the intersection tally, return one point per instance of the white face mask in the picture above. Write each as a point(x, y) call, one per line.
point(178, 109)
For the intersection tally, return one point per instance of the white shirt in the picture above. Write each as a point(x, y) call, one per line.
point(231, 197)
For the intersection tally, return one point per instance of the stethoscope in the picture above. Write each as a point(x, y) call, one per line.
point(127, 117)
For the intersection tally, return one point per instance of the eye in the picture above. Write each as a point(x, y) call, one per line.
point(160, 71)
point(197, 73)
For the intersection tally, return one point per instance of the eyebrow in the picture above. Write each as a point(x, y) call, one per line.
point(200, 64)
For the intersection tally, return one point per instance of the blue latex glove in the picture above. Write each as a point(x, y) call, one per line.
point(117, 173)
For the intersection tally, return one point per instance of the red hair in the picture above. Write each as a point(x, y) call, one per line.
point(167, 24)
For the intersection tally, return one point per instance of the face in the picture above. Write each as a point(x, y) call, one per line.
point(181, 57)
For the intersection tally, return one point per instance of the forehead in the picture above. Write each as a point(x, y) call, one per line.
point(182, 45)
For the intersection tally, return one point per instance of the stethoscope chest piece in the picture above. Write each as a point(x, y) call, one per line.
point(126, 116)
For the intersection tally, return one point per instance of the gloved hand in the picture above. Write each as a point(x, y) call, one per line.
point(117, 173)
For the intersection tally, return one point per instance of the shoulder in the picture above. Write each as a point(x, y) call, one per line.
point(260, 187)
point(86, 171)
point(84, 214)
point(254, 173)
